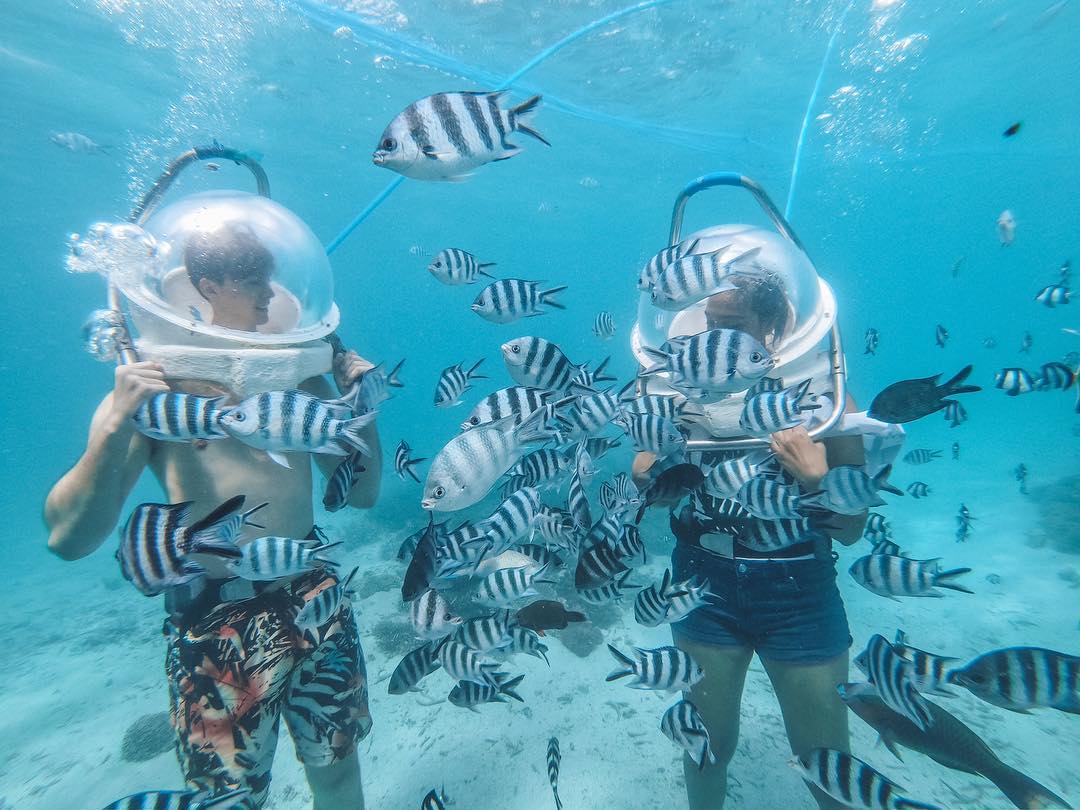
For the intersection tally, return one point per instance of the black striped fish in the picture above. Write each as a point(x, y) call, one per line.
point(651, 433)
point(918, 489)
point(455, 381)
point(487, 633)
point(598, 566)
point(604, 325)
point(268, 558)
point(669, 406)
point(421, 571)
point(666, 669)
point(577, 503)
point(955, 413)
point(651, 603)
point(727, 477)
point(1023, 678)
point(519, 402)
point(182, 800)
point(598, 446)
point(538, 363)
point(464, 664)
point(766, 385)
point(557, 528)
point(941, 335)
point(620, 496)
point(413, 668)
point(372, 389)
point(768, 499)
point(512, 520)
point(773, 411)
point(629, 546)
point(1053, 294)
point(435, 800)
point(524, 640)
point(342, 480)
point(885, 546)
point(890, 675)
point(710, 362)
point(403, 465)
point(772, 535)
point(177, 417)
point(448, 135)
point(670, 487)
point(554, 759)
point(294, 422)
point(611, 592)
point(317, 610)
point(848, 490)
point(460, 552)
point(587, 415)
point(687, 596)
point(852, 782)
point(652, 268)
point(1014, 381)
point(508, 299)
point(156, 538)
point(929, 672)
point(693, 278)
point(586, 379)
point(682, 724)
point(431, 616)
point(543, 468)
point(876, 523)
point(893, 576)
point(455, 266)
point(469, 694)
point(1055, 375)
point(507, 585)
point(921, 455)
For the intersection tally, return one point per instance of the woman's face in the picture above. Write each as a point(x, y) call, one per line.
point(723, 311)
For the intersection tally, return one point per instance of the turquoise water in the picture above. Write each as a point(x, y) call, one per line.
point(903, 172)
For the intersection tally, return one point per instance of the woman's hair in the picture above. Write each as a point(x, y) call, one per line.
point(230, 251)
point(763, 295)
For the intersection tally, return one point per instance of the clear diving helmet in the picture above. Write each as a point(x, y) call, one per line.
point(268, 258)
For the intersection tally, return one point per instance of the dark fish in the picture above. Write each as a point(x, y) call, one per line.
point(948, 742)
point(671, 486)
point(956, 451)
point(598, 566)
point(1012, 130)
point(547, 614)
point(908, 400)
point(421, 570)
point(941, 335)
point(872, 339)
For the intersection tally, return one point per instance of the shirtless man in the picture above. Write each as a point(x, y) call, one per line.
point(236, 661)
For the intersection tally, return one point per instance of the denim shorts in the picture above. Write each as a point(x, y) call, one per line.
point(786, 610)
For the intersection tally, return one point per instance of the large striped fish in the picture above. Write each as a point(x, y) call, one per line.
point(268, 558)
point(182, 800)
point(539, 363)
point(852, 782)
point(1023, 678)
point(683, 725)
point(455, 381)
point(448, 135)
point(518, 401)
point(666, 669)
point(508, 299)
point(716, 361)
point(455, 266)
point(156, 538)
point(178, 417)
point(892, 576)
point(692, 278)
point(891, 676)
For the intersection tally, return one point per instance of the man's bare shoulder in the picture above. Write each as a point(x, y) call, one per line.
point(320, 387)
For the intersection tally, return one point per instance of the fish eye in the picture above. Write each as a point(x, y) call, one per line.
point(438, 263)
point(389, 144)
point(474, 421)
point(438, 492)
point(755, 357)
point(238, 416)
point(515, 349)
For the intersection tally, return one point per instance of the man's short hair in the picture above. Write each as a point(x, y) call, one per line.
point(230, 251)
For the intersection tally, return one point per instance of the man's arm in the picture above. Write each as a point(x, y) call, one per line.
point(84, 506)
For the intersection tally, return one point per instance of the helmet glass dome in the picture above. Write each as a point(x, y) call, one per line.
point(235, 266)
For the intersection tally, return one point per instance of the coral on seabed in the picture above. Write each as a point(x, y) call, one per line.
point(150, 735)
point(1059, 513)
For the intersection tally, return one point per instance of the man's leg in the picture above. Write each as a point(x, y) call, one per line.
point(814, 715)
point(337, 786)
point(717, 698)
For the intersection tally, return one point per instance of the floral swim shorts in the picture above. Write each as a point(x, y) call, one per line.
point(237, 670)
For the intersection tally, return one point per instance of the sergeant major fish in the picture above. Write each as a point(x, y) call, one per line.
point(716, 360)
point(893, 576)
point(683, 725)
point(666, 669)
point(447, 135)
point(342, 480)
point(179, 417)
point(403, 464)
point(455, 381)
point(455, 266)
point(652, 268)
point(852, 782)
point(508, 299)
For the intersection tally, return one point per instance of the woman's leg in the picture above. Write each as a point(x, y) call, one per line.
point(717, 697)
point(814, 715)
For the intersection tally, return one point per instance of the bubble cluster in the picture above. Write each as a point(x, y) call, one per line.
point(121, 252)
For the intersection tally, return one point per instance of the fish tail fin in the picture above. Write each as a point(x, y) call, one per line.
point(904, 803)
point(509, 687)
point(350, 432)
point(1022, 789)
point(626, 393)
point(954, 386)
point(535, 428)
point(626, 662)
point(412, 462)
point(600, 375)
point(523, 110)
point(471, 373)
point(317, 554)
point(659, 359)
point(881, 481)
point(392, 379)
point(940, 580)
point(546, 297)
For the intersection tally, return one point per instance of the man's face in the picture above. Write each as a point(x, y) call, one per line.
point(722, 311)
point(240, 303)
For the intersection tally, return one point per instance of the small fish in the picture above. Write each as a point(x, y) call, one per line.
point(508, 585)
point(891, 677)
point(455, 266)
point(652, 434)
point(455, 381)
point(509, 299)
point(1053, 295)
point(431, 616)
point(1011, 130)
point(955, 413)
point(464, 664)
point(768, 499)
point(1025, 343)
point(434, 800)
point(545, 468)
point(324, 605)
point(156, 538)
point(875, 522)
point(852, 782)
point(770, 412)
point(519, 402)
point(727, 477)
point(921, 456)
point(341, 482)
point(651, 604)
point(547, 614)
point(413, 668)
point(918, 489)
point(577, 503)
point(612, 592)
point(1006, 228)
point(872, 339)
point(941, 335)
point(213, 167)
point(670, 487)
point(683, 725)
point(956, 451)
point(598, 565)
point(421, 571)
point(685, 597)
point(619, 496)
point(848, 490)
point(957, 266)
point(269, 558)
point(716, 360)
point(893, 576)
point(512, 520)
point(447, 135)
point(949, 742)
point(671, 406)
point(182, 800)
point(1014, 381)
point(77, 142)
point(178, 417)
point(527, 641)
point(1020, 473)
point(693, 278)
point(929, 672)
point(372, 389)
point(538, 363)
point(1023, 678)
point(908, 400)
point(647, 276)
point(666, 669)
point(403, 464)
point(604, 325)
point(585, 380)
point(587, 415)
point(1055, 376)
point(989, 343)
point(469, 694)
point(295, 422)
point(554, 759)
